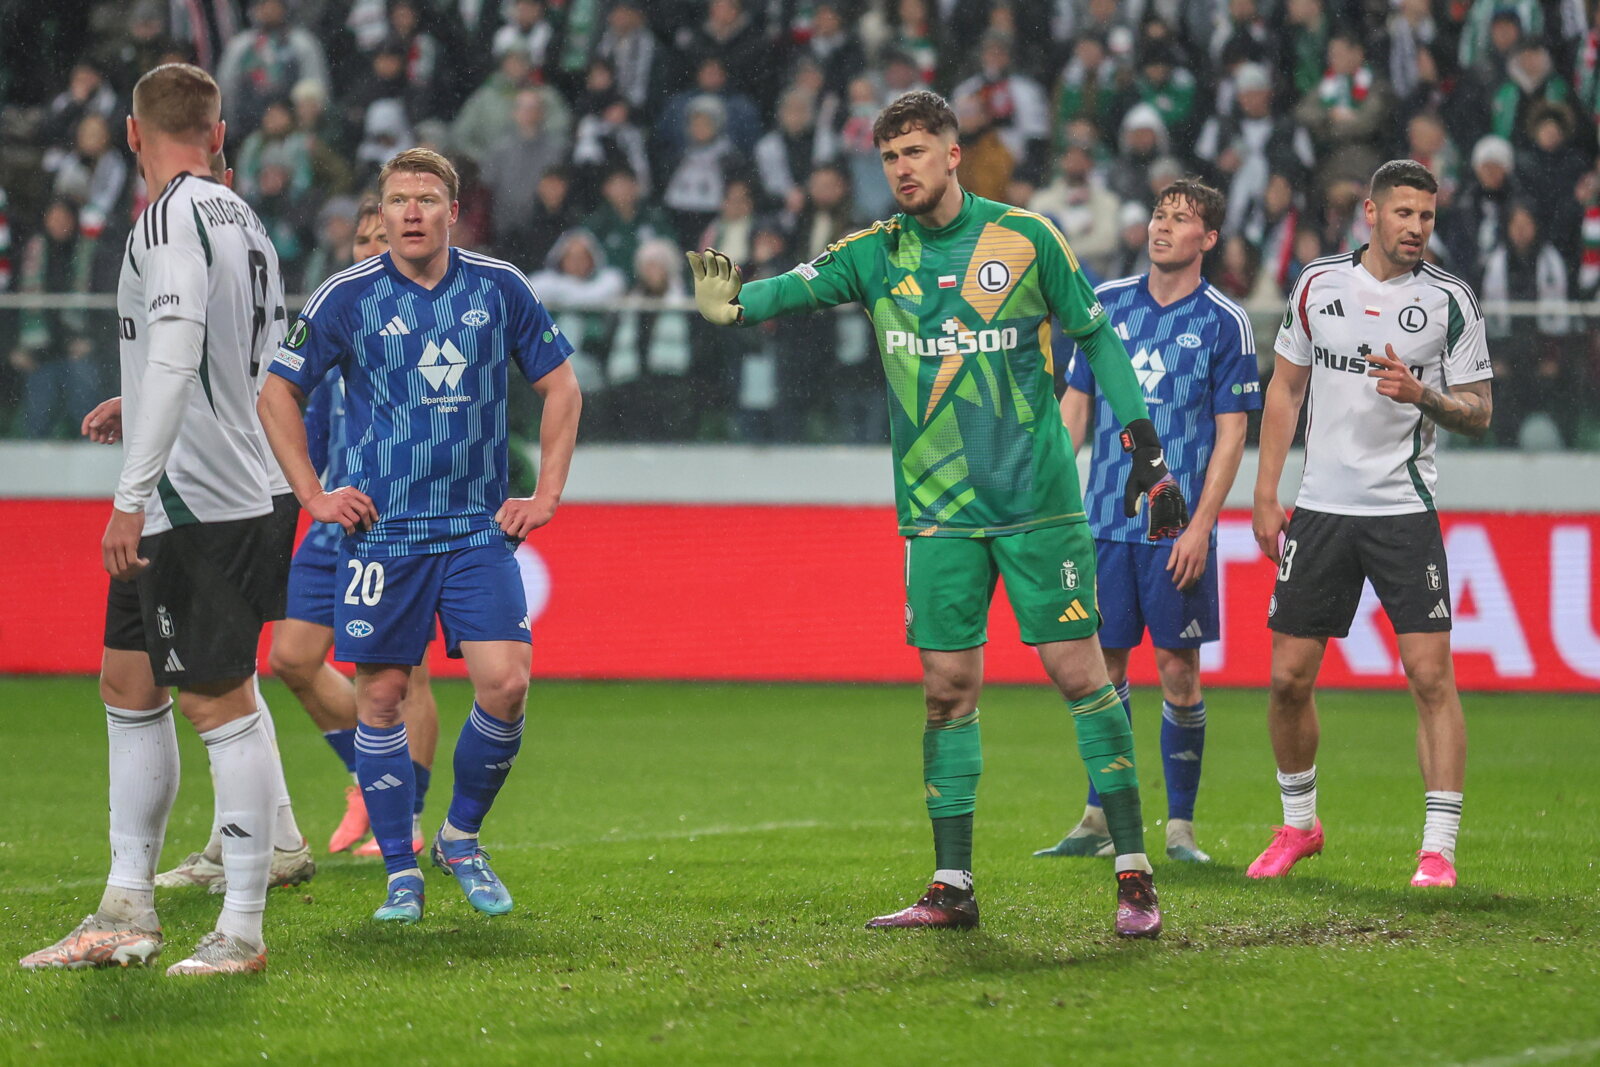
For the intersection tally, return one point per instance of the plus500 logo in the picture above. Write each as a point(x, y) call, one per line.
point(960, 343)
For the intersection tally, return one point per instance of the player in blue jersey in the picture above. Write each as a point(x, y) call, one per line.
point(422, 336)
point(300, 642)
point(1195, 355)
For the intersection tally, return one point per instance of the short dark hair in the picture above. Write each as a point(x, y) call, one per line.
point(1406, 172)
point(1206, 201)
point(368, 207)
point(920, 108)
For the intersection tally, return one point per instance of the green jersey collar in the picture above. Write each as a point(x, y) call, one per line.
point(928, 233)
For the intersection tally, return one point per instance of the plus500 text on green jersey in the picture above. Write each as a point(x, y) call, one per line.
point(962, 316)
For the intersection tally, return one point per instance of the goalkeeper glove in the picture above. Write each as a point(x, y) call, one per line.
point(716, 287)
point(1151, 480)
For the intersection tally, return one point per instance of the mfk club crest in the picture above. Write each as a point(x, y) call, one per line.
point(1434, 581)
point(1069, 575)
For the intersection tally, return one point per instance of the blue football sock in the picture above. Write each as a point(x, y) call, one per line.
point(423, 776)
point(484, 754)
point(1123, 694)
point(383, 767)
point(1183, 743)
point(343, 743)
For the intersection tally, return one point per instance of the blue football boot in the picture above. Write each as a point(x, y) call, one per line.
point(404, 902)
point(470, 865)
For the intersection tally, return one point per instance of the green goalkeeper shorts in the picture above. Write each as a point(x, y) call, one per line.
point(1049, 576)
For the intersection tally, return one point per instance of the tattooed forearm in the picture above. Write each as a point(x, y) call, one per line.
point(1465, 409)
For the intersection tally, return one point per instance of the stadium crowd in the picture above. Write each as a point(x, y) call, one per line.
point(599, 138)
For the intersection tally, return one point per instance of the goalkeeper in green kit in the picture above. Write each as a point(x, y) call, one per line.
point(960, 291)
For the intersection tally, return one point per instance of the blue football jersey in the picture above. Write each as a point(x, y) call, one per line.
point(1195, 359)
point(425, 376)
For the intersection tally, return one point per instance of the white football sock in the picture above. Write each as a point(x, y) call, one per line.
point(1299, 791)
point(1441, 823)
point(285, 832)
point(409, 872)
point(450, 833)
point(247, 783)
point(144, 781)
point(954, 879)
point(1134, 861)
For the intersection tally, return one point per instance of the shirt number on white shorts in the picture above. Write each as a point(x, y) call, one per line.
point(366, 583)
point(1283, 568)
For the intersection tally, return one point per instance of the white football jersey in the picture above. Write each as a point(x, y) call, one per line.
point(1365, 453)
point(198, 252)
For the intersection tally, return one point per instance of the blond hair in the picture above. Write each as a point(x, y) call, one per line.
point(422, 161)
point(178, 99)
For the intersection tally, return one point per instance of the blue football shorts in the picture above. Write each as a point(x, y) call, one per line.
point(383, 609)
point(1136, 593)
point(311, 582)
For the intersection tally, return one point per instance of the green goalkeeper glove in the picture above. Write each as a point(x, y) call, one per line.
point(1151, 483)
point(716, 287)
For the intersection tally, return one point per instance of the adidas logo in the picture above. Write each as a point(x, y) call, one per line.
point(173, 662)
point(233, 829)
point(1121, 763)
point(1074, 613)
point(388, 781)
point(394, 328)
point(1186, 757)
point(504, 765)
point(1335, 308)
point(908, 288)
point(1192, 631)
point(1441, 610)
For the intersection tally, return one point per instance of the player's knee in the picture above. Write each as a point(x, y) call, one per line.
point(290, 668)
point(948, 699)
point(1432, 683)
point(379, 699)
point(1291, 688)
point(1180, 681)
point(503, 695)
point(122, 695)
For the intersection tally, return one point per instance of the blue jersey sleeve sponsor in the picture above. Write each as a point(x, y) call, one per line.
point(534, 340)
point(1235, 380)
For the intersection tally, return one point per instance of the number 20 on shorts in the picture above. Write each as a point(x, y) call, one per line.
point(366, 583)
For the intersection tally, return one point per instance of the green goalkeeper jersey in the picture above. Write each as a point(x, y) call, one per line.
point(962, 315)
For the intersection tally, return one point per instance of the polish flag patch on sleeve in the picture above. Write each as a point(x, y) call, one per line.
point(947, 281)
point(1374, 312)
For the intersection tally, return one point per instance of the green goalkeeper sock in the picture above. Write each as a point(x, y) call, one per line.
point(1105, 744)
point(952, 760)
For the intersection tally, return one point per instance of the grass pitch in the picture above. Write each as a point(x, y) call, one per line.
point(692, 866)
